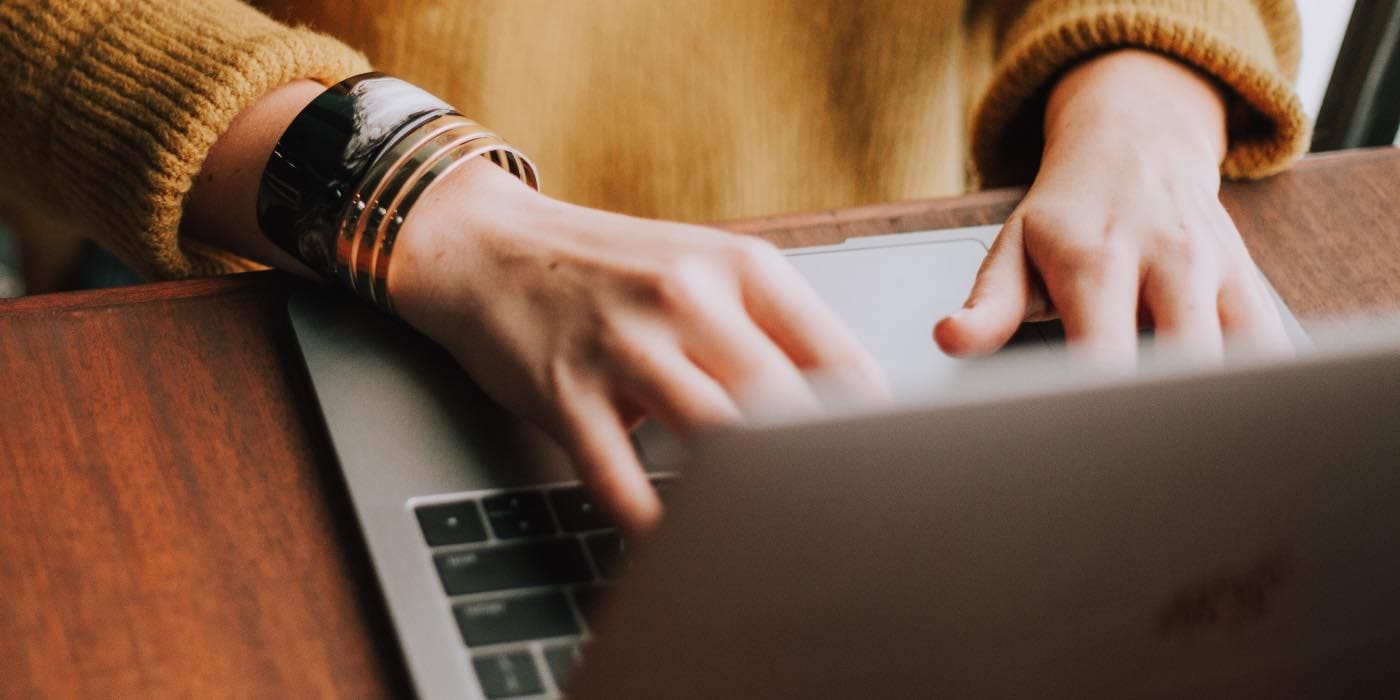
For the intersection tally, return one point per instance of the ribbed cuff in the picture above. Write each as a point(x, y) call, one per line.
point(1251, 55)
point(152, 90)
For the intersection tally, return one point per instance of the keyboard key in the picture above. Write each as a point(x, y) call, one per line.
point(609, 553)
point(501, 620)
point(1027, 335)
point(508, 675)
point(517, 502)
point(543, 563)
point(521, 514)
point(1052, 331)
point(577, 511)
point(562, 660)
point(451, 523)
point(522, 525)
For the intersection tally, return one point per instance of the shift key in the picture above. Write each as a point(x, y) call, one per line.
point(541, 563)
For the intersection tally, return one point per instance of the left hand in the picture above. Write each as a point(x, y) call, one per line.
point(1123, 225)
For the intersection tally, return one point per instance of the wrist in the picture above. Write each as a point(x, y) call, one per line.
point(1103, 103)
point(353, 166)
point(451, 237)
point(221, 208)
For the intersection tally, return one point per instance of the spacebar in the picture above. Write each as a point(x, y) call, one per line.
point(542, 563)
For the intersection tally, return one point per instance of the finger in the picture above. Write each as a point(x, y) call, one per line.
point(596, 438)
point(667, 385)
point(997, 304)
point(754, 371)
point(790, 312)
point(1097, 297)
point(1185, 319)
point(1249, 316)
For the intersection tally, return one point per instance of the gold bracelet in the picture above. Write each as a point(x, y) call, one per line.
point(395, 181)
point(360, 239)
point(388, 211)
point(349, 168)
point(365, 203)
point(491, 147)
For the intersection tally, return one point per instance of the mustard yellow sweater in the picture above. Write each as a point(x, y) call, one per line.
point(686, 109)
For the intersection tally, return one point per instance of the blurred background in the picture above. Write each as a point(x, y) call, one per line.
point(1325, 24)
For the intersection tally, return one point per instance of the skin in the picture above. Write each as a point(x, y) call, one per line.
point(1124, 224)
point(585, 321)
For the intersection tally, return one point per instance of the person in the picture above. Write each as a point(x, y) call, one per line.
point(148, 124)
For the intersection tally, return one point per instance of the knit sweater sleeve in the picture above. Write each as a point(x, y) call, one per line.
point(110, 107)
point(1251, 47)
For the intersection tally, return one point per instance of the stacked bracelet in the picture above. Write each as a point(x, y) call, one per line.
point(350, 167)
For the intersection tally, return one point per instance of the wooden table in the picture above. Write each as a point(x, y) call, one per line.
point(171, 519)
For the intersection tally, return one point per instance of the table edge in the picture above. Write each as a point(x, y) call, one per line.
point(273, 281)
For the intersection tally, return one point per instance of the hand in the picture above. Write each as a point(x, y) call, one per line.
point(1123, 225)
point(585, 321)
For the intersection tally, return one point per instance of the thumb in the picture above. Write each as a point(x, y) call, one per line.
point(997, 305)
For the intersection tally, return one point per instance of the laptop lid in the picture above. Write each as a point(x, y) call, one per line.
point(1233, 533)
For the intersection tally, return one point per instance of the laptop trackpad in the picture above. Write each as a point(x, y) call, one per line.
point(889, 291)
point(891, 295)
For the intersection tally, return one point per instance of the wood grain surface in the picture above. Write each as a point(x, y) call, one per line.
point(170, 521)
point(171, 518)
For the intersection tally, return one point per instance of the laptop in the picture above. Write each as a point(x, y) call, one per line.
point(497, 568)
point(1229, 533)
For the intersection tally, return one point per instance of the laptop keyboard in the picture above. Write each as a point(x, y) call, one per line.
point(522, 571)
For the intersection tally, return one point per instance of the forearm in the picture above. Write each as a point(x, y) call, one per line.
point(222, 207)
point(1123, 224)
point(1249, 47)
point(112, 106)
point(1102, 104)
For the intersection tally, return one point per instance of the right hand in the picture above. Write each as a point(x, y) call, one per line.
point(585, 322)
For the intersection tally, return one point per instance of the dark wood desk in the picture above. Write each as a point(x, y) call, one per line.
point(171, 520)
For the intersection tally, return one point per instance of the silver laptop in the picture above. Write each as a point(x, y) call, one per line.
point(496, 566)
point(1230, 534)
